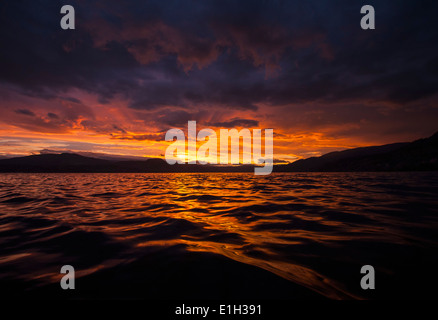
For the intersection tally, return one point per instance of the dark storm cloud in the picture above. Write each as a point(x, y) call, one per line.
point(140, 137)
point(236, 123)
point(174, 118)
point(74, 100)
point(226, 54)
point(25, 112)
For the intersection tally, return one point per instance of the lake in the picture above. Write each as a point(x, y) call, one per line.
point(219, 235)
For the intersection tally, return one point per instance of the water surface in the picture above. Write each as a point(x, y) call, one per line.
point(221, 235)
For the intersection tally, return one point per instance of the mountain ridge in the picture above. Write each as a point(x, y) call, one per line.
point(419, 155)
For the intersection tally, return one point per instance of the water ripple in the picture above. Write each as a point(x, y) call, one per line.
point(307, 233)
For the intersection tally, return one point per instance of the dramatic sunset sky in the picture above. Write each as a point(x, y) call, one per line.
point(131, 70)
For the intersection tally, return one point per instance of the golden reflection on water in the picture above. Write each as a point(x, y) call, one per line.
point(210, 215)
point(280, 223)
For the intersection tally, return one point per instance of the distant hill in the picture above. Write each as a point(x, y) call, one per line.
point(420, 155)
point(70, 162)
point(64, 162)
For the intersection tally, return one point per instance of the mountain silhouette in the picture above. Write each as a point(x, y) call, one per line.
point(420, 155)
point(64, 162)
point(70, 162)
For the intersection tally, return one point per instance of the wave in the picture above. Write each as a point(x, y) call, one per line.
point(308, 234)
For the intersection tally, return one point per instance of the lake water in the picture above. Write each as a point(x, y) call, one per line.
point(165, 236)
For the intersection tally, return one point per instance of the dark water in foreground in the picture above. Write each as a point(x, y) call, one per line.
point(299, 235)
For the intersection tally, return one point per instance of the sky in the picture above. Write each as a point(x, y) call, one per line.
point(131, 70)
